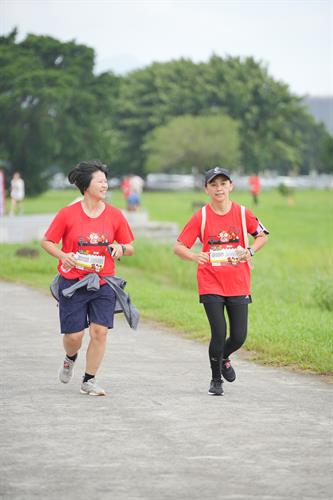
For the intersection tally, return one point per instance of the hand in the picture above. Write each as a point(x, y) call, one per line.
point(69, 260)
point(116, 251)
point(245, 256)
point(201, 257)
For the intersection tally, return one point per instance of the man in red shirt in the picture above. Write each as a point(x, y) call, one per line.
point(223, 272)
point(254, 181)
point(93, 235)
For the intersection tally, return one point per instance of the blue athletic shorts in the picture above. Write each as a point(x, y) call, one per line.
point(133, 199)
point(85, 307)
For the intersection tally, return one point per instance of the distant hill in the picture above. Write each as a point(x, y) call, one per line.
point(322, 110)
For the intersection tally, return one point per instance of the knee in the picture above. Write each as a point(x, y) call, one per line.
point(98, 333)
point(239, 341)
point(74, 339)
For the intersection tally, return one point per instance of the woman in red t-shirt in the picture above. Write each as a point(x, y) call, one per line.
point(223, 273)
point(93, 235)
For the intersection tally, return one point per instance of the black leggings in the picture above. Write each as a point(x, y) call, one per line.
point(219, 347)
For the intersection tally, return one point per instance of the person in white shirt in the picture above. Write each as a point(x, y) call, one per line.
point(136, 184)
point(17, 193)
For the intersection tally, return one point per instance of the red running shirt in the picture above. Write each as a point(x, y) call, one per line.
point(222, 232)
point(72, 226)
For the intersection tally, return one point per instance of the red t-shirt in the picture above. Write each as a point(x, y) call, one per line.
point(85, 236)
point(254, 182)
point(223, 233)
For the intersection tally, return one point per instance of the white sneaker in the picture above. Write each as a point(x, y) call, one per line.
point(92, 388)
point(66, 371)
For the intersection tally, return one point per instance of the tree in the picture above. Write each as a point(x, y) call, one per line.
point(188, 141)
point(326, 155)
point(52, 107)
point(273, 127)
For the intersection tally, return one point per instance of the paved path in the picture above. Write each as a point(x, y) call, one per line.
point(157, 435)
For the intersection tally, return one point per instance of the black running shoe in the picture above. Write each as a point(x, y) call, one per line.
point(227, 370)
point(216, 388)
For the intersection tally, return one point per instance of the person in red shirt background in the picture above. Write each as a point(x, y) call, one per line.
point(254, 181)
point(223, 272)
point(93, 235)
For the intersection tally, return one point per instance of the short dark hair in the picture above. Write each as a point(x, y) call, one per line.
point(81, 175)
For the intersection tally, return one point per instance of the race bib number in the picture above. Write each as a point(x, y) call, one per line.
point(89, 262)
point(225, 256)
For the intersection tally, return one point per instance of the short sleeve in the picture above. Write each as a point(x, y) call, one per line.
point(123, 233)
point(253, 224)
point(57, 227)
point(191, 231)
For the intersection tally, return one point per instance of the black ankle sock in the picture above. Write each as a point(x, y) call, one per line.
point(87, 377)
point(72, 358)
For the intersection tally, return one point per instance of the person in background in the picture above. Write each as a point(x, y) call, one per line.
point(254, 181)
point(17, 193)
point(223, 271)
point(125, 187)
point(136, 184)
point(93, 235)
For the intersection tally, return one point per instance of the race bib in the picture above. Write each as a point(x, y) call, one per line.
point(225, 256)
point(89, 262)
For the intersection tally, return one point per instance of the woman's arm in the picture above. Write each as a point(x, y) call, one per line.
point(120, 250)
point(259, 241)
point(67, 259)
point(186, 254)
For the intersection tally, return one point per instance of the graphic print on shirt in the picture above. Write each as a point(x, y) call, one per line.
point(91, 253)
point(225, 248)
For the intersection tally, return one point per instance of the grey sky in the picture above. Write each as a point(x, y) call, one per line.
point(294, 38)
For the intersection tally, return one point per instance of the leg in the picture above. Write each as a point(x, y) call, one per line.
point(237, 315)
point(215, 315)
point(72, 342)
point(96, 347)
point(12, 206)
point(100, 313)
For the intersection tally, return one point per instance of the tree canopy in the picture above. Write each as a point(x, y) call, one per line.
point(52, 107)
point(192, 141)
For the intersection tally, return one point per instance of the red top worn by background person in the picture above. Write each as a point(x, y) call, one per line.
point(254, 182)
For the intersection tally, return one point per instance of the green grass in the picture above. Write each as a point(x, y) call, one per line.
point(291, 318)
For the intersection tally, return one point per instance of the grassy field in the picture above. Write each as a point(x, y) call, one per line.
point(291, 318)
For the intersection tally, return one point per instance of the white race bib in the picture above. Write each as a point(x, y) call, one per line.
point(89, 262)
point(225, 256)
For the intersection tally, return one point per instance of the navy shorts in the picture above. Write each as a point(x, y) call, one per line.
point(85, 307)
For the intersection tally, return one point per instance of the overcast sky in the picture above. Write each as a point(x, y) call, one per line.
point(293, 38)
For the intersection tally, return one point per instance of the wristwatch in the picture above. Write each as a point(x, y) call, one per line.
point(123, 247)
point(250, 249)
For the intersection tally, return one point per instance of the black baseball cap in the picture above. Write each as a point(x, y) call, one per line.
point(214, 172)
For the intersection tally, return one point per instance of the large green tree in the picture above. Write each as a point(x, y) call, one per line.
point(274, 128)
point(52, 107)
point(188, 141)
